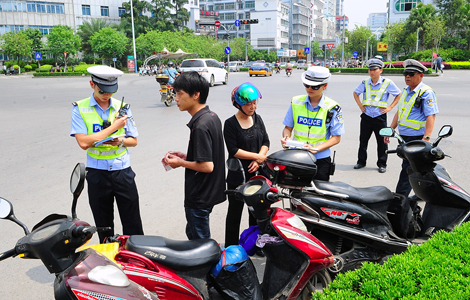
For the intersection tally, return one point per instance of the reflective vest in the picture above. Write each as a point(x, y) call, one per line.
point(311, 126)
point(404, 109)
point(94, 124)
point(373, 97)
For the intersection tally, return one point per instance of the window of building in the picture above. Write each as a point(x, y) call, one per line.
point(249, 4)
point(284, 23)
point(43, 29)
point(240, 5)
point(121, 11)
point(229, 5)
point(86, 10)
point(105, 11)
point(230, 16)
point(7, 28)
point(219, 6)
point(406, 5)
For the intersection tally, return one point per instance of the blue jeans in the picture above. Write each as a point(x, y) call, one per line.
point(197, 226)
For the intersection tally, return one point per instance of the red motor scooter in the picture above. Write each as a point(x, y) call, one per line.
point(295, 259)
point(82, 275)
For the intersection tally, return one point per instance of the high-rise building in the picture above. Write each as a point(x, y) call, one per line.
point(400, 9)
point(377, 23)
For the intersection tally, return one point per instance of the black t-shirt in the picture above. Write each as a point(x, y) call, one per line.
point(250, 139)
point(206, 143)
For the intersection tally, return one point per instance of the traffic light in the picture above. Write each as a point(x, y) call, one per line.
point(250, 21)
point(323, 47)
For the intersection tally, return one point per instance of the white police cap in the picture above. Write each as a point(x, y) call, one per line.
point(316, 76)
point(412, 65)
point(105, 77)
point(375, 63)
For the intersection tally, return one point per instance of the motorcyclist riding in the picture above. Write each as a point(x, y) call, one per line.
point(171, 72)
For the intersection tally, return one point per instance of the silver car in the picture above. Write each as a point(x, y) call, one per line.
point(208, 68)
point(234, 66)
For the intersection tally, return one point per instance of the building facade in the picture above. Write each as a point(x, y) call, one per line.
point(377, 22)
point(400, 9)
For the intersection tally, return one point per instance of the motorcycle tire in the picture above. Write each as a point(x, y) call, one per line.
point(321, 280)
point(288, 74)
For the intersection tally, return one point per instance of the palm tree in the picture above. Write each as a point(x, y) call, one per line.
point(87, 29)
point(418, 17)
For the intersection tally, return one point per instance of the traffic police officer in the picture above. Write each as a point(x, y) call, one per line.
point(417, 109)
point(374, 108)
point(315, 119)
point(109, 174)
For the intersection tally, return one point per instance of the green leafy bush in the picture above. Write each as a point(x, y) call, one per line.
point(45, 68)
point(57, 74)
point(438, 269)
point(28, 68)
point(459, 65)
point(34, 66)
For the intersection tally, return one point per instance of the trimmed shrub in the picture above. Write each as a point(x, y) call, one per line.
point(56, 74)
point(28, 68)
point(437, 269)
point(455, 65)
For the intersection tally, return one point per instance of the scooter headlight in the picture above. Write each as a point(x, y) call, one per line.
point(296, 222)
point(109, 275)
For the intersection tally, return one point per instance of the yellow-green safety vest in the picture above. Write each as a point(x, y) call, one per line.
point(373, 97)
point(404, 109)
point(310, 126)
point(93, 121)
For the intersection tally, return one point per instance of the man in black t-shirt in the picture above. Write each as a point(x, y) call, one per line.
point(205, 160)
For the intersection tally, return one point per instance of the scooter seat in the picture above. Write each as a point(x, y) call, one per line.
point(178, 255)
point(369, 195)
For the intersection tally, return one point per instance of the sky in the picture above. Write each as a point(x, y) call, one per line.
point(358, 10)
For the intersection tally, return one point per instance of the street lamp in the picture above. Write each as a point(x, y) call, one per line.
point(367, 44)
point(133, 37)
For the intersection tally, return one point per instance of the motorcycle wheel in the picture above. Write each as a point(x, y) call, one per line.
point(316, 284)
point(169, 98)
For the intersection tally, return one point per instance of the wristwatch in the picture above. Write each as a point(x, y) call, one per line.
point(426, 137)
point(122, 142)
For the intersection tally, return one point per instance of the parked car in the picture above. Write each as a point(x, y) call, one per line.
point(260, 69)
point(301, 64)
point(208, 68)
point(234, 66)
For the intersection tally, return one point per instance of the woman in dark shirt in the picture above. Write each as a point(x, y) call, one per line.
point(246, 139)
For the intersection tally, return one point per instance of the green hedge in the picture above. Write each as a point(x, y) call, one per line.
point(456, 65)
point(438, 269)
point(366, 71)
point(56, 74)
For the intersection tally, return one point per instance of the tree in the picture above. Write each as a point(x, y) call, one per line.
point(181, 14)
point(418, 17)
point(61, 39)
point(87, 29)
point(357, 40)
point(141, 21)
point(394, 36)
point(16, 44)
point(450, 11)
point(434, 33)
point(161, 15)
point(109, 42)
point(36, 38)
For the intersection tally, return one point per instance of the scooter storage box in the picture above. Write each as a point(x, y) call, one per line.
point(297, 167)
point(162, 79)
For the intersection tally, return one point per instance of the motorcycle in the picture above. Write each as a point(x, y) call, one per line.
point(79, 275)
point(278, 69)
point(295, 265)
point(370, 224)
point(288, 72)
point(167, 92)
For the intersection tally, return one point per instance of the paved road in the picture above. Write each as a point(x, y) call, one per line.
point(38, 154)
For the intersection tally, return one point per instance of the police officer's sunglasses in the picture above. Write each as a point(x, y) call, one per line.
point(314, 87)
point(411, 74)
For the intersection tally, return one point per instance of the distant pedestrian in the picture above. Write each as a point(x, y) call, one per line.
point(439, 64)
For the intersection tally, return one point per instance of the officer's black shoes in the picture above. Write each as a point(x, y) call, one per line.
point(382, 169)
point(359, 166)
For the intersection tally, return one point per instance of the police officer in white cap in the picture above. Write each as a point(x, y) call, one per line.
point(109, 173)
point(315, 120)
point(417, 109)
point(374, 107)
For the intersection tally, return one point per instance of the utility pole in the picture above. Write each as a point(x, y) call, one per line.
point(342, 51)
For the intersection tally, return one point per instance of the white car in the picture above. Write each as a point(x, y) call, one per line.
point(208, 68)
point(234, 66)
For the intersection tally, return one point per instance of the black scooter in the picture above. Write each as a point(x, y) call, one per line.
point(369, 224)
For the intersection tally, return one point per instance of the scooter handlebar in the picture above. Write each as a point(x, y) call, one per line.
point(391, 151)
point(7, 254)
